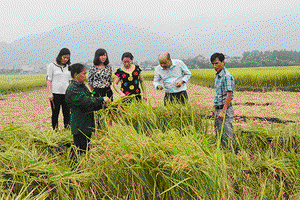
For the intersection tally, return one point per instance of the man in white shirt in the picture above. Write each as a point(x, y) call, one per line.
point(174, 74)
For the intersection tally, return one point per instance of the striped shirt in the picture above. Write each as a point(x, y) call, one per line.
point(224, 82)
point(178, 71)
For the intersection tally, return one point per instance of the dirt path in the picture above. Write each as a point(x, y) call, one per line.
point(33, 108)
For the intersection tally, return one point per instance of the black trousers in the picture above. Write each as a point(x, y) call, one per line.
point(81, 141)
point(179, 97)
point(59, 101)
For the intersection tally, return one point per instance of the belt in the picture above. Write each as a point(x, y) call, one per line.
point(222, 106)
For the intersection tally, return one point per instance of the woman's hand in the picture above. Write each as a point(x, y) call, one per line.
point(122, 95)
point(145, 97)
point(50, 97)
point(106, 99)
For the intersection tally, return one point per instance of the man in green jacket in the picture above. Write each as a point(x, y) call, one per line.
point(82, 104)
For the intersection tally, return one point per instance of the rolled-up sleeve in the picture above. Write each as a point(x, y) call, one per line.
point(49, 72)
point(185, 72)
point(157, 78)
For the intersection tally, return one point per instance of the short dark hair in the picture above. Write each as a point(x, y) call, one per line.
point(220, 56)
point(76, 68)
point(62, 52)
point(127, 55)
point(98, 53)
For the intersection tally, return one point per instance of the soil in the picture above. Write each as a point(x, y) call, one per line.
point(32, 109)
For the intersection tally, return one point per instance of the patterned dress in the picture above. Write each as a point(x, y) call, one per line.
point(100, 79)
point(130, 81)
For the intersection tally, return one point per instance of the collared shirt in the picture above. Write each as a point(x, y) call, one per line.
point(178, 71)
point(224, 82)
point(59, 77)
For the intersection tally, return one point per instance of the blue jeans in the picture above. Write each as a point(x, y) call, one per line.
point(227, 136)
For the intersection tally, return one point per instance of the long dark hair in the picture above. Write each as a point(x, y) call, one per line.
point(63, 51)
point(76, 68)
point(98, 53)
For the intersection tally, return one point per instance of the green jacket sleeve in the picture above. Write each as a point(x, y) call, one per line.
point(80, 97)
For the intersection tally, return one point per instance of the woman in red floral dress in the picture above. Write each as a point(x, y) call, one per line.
point(131, 78)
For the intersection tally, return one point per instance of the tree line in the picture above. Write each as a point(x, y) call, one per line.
point(250, 59)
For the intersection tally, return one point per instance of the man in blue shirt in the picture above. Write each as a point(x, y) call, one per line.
point(174, 75)
point(224, 93)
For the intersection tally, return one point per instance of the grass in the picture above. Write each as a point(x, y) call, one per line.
point(151, 153)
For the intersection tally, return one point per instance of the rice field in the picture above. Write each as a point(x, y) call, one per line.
point(249, 79)
point(145, 152)
point(255, 79)
point(151, 153)
point(21, 83)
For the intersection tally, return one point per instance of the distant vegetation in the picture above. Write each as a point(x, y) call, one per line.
point(21, 83)
point(251, 59)
point(255, 79)
point(249, 79)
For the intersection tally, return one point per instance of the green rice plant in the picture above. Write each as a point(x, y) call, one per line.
point(145, 118)
point(167, 152)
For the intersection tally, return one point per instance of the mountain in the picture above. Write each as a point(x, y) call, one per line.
point(84, 38)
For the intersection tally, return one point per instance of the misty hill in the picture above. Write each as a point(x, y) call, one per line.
point(84, 38)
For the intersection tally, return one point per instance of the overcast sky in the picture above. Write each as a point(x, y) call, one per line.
point(171, 17)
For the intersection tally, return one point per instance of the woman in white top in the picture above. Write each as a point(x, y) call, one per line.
point(58, 79)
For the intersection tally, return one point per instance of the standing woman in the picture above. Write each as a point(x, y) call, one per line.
point(58, 78)
point(82, 105)
point(99, 80)
point(130, 77)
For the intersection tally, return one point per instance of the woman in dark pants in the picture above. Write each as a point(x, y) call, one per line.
point(99, 80)
point(82, 105)
point(58, 78)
